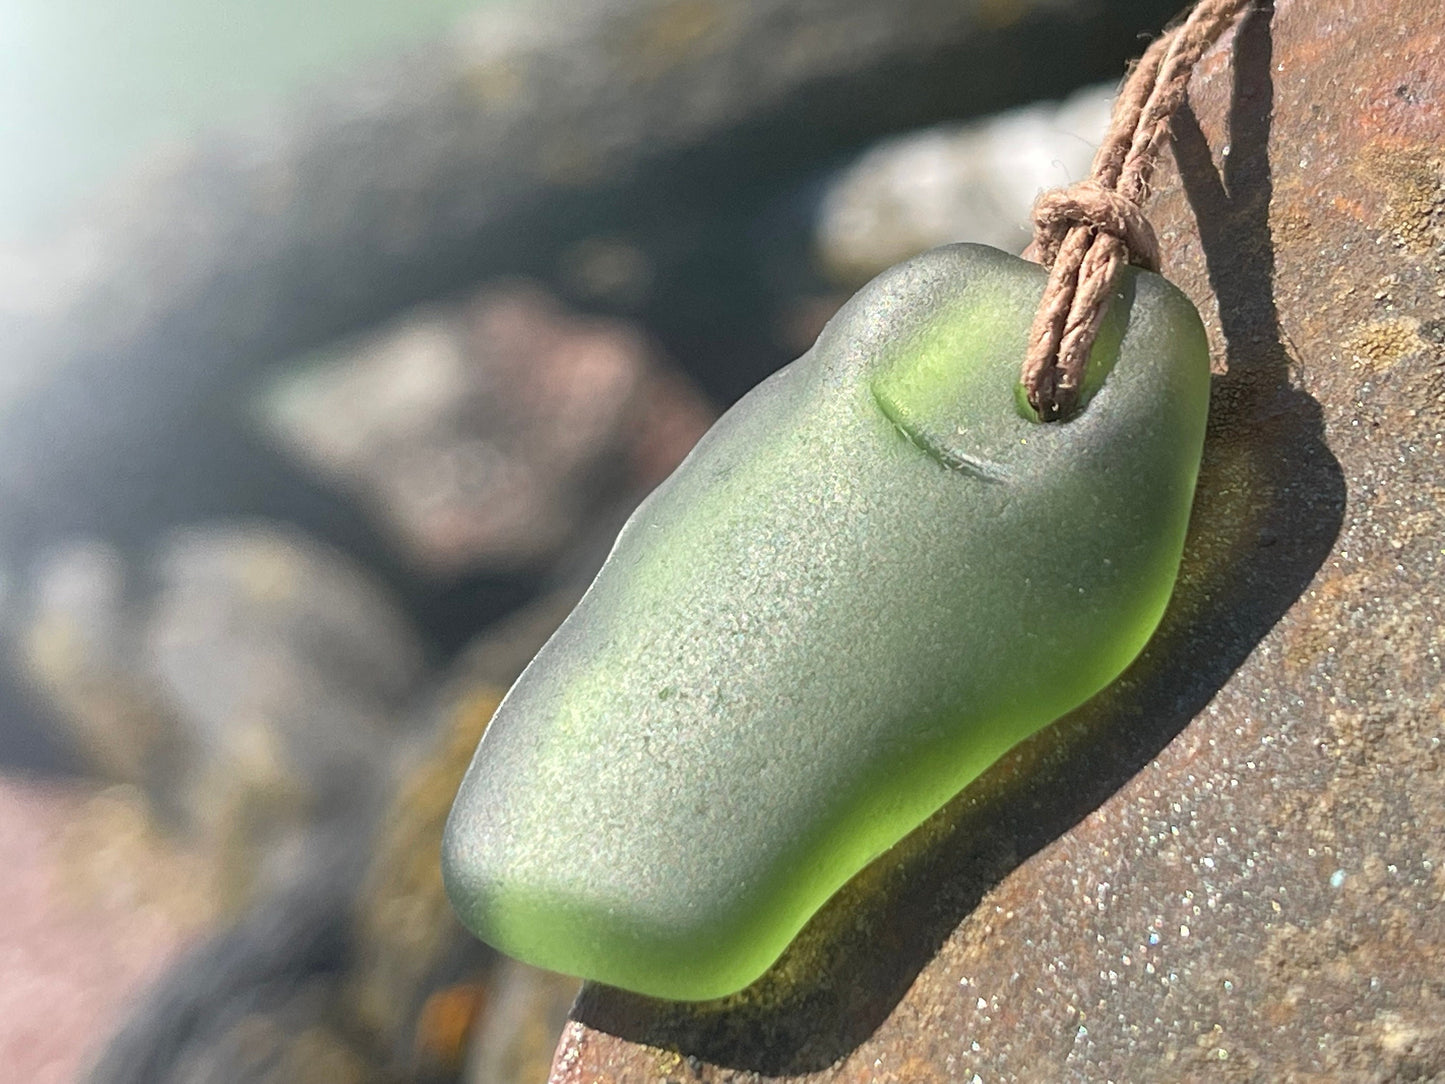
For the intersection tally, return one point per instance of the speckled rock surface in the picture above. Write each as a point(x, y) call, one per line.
point(1231, 865)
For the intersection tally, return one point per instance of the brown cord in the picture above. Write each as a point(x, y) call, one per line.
point(1088, 232)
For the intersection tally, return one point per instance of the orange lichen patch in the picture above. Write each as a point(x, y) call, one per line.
point(1350, 208)
point(469, 720)
point(1377, 347)
point(1413, 179)
point(406, 922)
point(670, 1065)
point(1291, 224)
point(444, 1027)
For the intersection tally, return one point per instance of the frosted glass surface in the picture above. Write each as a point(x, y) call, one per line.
point(868, 581)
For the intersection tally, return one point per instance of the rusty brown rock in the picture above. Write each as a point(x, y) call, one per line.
point(1230, 865)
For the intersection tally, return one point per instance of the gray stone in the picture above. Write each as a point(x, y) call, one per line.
point(291, 672)
point(529, 130)
point(254, 623)
point(487, 434)
point(355, 964)
point(73, 640)
point(254, 683)
point(957, 182)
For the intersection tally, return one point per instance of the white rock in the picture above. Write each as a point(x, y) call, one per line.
point(957, 182)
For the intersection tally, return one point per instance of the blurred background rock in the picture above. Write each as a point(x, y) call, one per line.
point(338, 339)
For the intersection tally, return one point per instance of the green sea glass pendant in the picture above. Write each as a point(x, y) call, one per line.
point(872, 577)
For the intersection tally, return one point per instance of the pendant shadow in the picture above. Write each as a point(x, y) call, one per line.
point(1269, 505)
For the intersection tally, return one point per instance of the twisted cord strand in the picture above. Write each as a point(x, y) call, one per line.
point(1087, 233)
